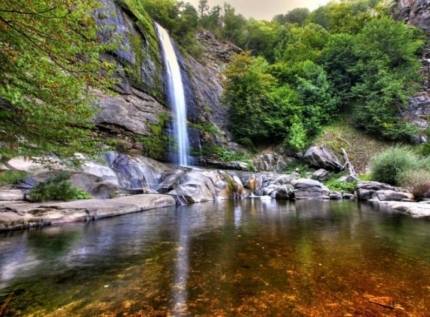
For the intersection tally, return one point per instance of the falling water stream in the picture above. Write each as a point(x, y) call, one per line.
point(176, 96)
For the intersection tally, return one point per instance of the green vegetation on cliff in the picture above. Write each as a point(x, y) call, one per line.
point(49, 59)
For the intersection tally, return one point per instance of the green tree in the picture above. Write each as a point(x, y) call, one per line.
point(261, 110)
point(49, 59)
point(295, 16)
point(387, 73)
point(338, 59)
point(346, 16)
point(234, 25)
point(302, 43)
point(179, 18)
point(261, 38)
point(203, 8)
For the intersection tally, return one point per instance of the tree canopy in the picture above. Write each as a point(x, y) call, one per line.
point(49, 59)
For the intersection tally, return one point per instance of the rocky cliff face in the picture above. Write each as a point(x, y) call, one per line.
point(417, 13)
point(139, 98)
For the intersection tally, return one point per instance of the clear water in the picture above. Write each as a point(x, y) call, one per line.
point(250, 258)
point(176, 95)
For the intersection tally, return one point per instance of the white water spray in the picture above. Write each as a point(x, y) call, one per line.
point(176, 95)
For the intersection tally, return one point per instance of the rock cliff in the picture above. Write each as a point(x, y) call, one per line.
point(139, 100)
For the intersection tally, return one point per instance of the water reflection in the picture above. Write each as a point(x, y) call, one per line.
point(246, 258)
point(179, 289)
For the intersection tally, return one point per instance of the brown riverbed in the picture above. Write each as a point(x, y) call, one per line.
point(251, 258)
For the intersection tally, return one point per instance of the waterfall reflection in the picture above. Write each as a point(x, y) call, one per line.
point(179, 291)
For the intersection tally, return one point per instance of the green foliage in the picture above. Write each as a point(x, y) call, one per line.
point(346, 17)
point(388, 166)
point(260, 37)
point(156, 145)
point(57, 188)
point(300, 167)
point(302, 43)
point(387, 71)
point(410, 178)
point(180, 19)
point(206, 128)
point(295, 16)
point(223, 154)
point(12, 177)
point(233, 25)
point(341, 186)
point(49, 57)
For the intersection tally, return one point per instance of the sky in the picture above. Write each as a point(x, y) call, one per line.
point(264, 9)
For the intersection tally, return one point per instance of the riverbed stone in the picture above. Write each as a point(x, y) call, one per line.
point(309, 189)
point(413, 209)
point(11, 195)
point(369, 189)
point(391, 195)
point(24, 215)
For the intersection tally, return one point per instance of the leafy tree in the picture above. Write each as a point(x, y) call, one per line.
point(346, 16)
point(261, 110)
point(49, 59)
point(261, 38)
point(338, 59)
point(164, 12)
point(203, 8)
point(388, 73)
point(302, 43)
point(234, 25)
point(295, 16)
point(179, 18)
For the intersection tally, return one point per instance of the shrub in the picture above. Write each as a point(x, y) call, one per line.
point(57, 187)
point(341, 186)
point(410, 178)
point(12, 177)
point(387, 166)
point(421, 191)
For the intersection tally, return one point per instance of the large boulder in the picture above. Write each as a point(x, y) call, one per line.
point(309, 189)
point(11, 195)
point(369, 190)
point(391, 195)
point(195, 187)
point(320, 156)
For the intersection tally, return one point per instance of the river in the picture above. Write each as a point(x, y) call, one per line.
point(246, 258)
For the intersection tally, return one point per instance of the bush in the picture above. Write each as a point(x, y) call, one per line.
point(388, 166)
point(341, 186)
point(421, 191)
point(58, 188)
point(12, 177)
point(411, 178)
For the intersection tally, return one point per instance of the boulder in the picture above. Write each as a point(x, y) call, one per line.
point(336, 196)
point(348, 196)
point(194, 187)
point(368, 190)
point(416, 210)
point(322, 157)
point(391, 195)
point(11, 195)
point(232, 165)
point(309, 189)
point(169, 180)
point(321, 175)
point(284, 192)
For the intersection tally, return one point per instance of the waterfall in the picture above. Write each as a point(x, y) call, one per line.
point(176, 96)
